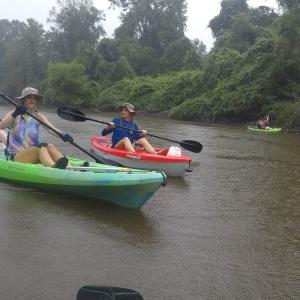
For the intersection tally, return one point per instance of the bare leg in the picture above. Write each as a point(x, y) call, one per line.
point(54, 152)
point(30, 155)
point(147, 146)
point(45, 157)
point(125, 144)
point(35, 155)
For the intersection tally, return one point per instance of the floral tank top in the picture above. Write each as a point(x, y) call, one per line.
point(24, 135)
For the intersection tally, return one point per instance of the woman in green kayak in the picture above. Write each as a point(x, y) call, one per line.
point(23, 143)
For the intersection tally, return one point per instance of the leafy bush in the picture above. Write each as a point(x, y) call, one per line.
point(68, 84)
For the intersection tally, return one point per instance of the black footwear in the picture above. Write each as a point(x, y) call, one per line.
point(85, 164)
point(61, 163)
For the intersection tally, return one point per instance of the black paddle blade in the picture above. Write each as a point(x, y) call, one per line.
point(107, 293)
point(191, 145)
point(71, 114)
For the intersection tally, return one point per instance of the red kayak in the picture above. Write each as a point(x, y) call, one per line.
point(171, 165)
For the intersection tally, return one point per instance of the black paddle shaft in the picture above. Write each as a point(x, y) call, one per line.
point(51, 128)
point(67, 113)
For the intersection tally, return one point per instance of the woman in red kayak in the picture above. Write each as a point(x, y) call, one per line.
point(23, 143)
point(124, 139)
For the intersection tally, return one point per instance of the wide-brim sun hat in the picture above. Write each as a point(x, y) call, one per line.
point(129, 106)
point(30, 91)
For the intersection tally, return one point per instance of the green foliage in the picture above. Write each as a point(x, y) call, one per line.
point(21, 61)
point(109, 49)
point(87, 55)
point(199, 108)
point(122, 69)
point(142, 59)
point(192, 60)
point(194, 56)
point(253, 68)
point(288, 44)
point(262, 16)
point(76, 21)
point(110, 98)
point(287, 114)
point(220, 64)
point(289, 4)
point(68, 84)
point(224, 21)
point(152, 94)
point(173, 54)
point(154, 23)
point(237, 83)
point(151, 36)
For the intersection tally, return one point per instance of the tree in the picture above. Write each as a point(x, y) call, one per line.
point(174, 54)
point(122, 69)
point(5, 34)
point(262, 16)
point(88, 56)
point(288, 4)
point(76, 21)
point(22, 61)
point(141, 58)
point(109, 49)
point(154, 23)
point(224, 21)
point(68, 84)
point(194, 57)
point(288, 44)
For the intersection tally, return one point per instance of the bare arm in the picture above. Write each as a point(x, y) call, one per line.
point(45, 120)
point(7, 121)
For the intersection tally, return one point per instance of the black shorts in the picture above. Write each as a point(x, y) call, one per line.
point(40, 145)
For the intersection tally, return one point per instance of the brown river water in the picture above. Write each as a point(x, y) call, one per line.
point(228, 230)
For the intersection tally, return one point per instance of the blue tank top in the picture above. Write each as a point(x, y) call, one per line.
point(24, 135)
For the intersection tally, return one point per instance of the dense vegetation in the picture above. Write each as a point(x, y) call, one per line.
point(253, 68)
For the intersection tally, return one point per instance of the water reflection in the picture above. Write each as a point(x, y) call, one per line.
point(128, 224)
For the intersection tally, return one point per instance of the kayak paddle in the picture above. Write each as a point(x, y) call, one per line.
point(73, 114)
point(59, 134)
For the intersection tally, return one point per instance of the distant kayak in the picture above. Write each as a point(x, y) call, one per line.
point(171, 165)
point(271, 130)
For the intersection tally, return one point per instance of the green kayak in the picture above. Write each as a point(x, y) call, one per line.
point(271, 130)
point(122, 186)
